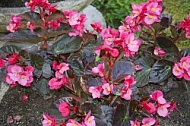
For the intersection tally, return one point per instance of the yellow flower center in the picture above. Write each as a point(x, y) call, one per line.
point(109, 39)
point(135, 125)
point(131, 21)
point(136, 12)
point(11, 27)
point(75, 125)
point(153, 9)
point(131, 42)
point(23, 77)
point(150, 16)
point(62, 67)
point(109, 89)
point(162, 107)
point(184, 63)
point(89, 119)
point(49, 121)
point(147, 124)
point(178, 69)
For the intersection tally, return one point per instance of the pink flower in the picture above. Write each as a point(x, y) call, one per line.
point(159, 52)
point(14, 72)
point(24, 77)
point(54, 24)
point(173, 106)
point(135, 123)
point(55, 65)
point(162, 109)
point(30, 70)
point(149, 107)
point(63, 67)
point(2, 63)
point(48, 120)
point(129, 80)
point(177, 70)
point(55, 83)
point(148, 121)
point(95, 90)
point(99, 70)
point(112, 51)
point(72, 122)
point(154, 8)
point(126, 94)
point(150, 19)
point(185, 63)
point(64, 109)
point(31, 26)
point(107, 88)
point(158, 96)
point(89, 120)
point(13, 58)
point(14, 23)
point(59, 75)
point(97, 26)
point(132, 43)
point(72, 16)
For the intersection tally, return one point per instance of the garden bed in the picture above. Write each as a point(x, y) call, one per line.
point(32, 110)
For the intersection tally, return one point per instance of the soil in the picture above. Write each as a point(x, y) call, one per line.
point(18, 3)
point(32, 110)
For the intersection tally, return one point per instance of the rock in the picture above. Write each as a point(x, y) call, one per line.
point(93, 15)
point(5, 13)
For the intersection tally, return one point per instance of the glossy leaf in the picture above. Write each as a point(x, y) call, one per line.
point(122, 68)
point(47, 72)
point(121, 117)
point(160, 71)
point(31, 16)
point(185, 52)
point(36, 61)
point(66, 44)
point(22, 36)
point(42, 86)
point(93, 82)
point(77, 66)
point(95, 109)
point(10, 49)
point(142, 76)
point(166, 20)
point(106, 117)
point(170, 48)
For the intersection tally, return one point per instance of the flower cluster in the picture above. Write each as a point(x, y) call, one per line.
point(185, 24)
point(109, 88)
point(76, 21)
point(60, 79)
point(14, 23)
point(87, 121)
point(182, 68)
point(156, 104)
point(64, 109)
point(40, 3)
point(16, 73)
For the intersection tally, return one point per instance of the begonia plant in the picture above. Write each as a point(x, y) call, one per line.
point(100, 74)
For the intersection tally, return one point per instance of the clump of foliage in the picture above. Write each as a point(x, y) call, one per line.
point(100, 76)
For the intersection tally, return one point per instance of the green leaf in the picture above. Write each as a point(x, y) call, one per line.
point(42, 86)
point(10, 49)
point(66, 44)
point(22, 36)
point(121, 117)
point(36, 61)
point(171, 49)
point(142, 76)
point(160, 71)
point(122, 68)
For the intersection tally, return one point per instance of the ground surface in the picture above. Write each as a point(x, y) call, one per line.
point(32, 110)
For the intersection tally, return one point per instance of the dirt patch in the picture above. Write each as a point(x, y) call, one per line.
point(33, 109)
